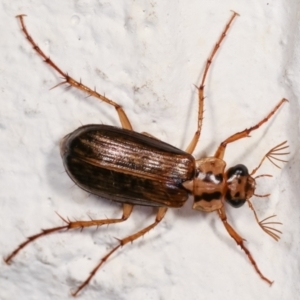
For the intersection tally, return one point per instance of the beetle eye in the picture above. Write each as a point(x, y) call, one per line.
point(237, 186)
point(234, 202)
point(238, 170)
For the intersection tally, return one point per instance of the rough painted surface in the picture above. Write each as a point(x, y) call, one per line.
point(147, 55)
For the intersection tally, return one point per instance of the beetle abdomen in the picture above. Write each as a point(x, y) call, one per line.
point(125, 166)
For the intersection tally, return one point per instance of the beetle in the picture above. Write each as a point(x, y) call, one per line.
point(134, 168)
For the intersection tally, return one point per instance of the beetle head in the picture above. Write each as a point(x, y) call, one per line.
point(240, 185)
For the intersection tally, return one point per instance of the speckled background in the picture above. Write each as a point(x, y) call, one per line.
point(147, 56)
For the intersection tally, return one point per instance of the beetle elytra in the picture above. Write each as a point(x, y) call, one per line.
point(133, 168)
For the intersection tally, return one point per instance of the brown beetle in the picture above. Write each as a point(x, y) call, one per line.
point(137, 169)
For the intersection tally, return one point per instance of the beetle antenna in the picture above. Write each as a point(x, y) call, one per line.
point(272, 155)
point(272, 232)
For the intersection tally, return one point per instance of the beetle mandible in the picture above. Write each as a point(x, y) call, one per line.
point(133, 168)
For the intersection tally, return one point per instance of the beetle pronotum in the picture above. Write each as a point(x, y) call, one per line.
point(137, 169)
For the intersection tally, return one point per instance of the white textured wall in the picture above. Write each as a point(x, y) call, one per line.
point(146, 55)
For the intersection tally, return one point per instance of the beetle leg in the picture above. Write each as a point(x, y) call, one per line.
point(127, 209)
point(191, 147)
point(72, 82)
point(240, 242)
point(129, 239)
point(245, 133)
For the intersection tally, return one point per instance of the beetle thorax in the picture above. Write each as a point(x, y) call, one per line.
point(208, 186)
